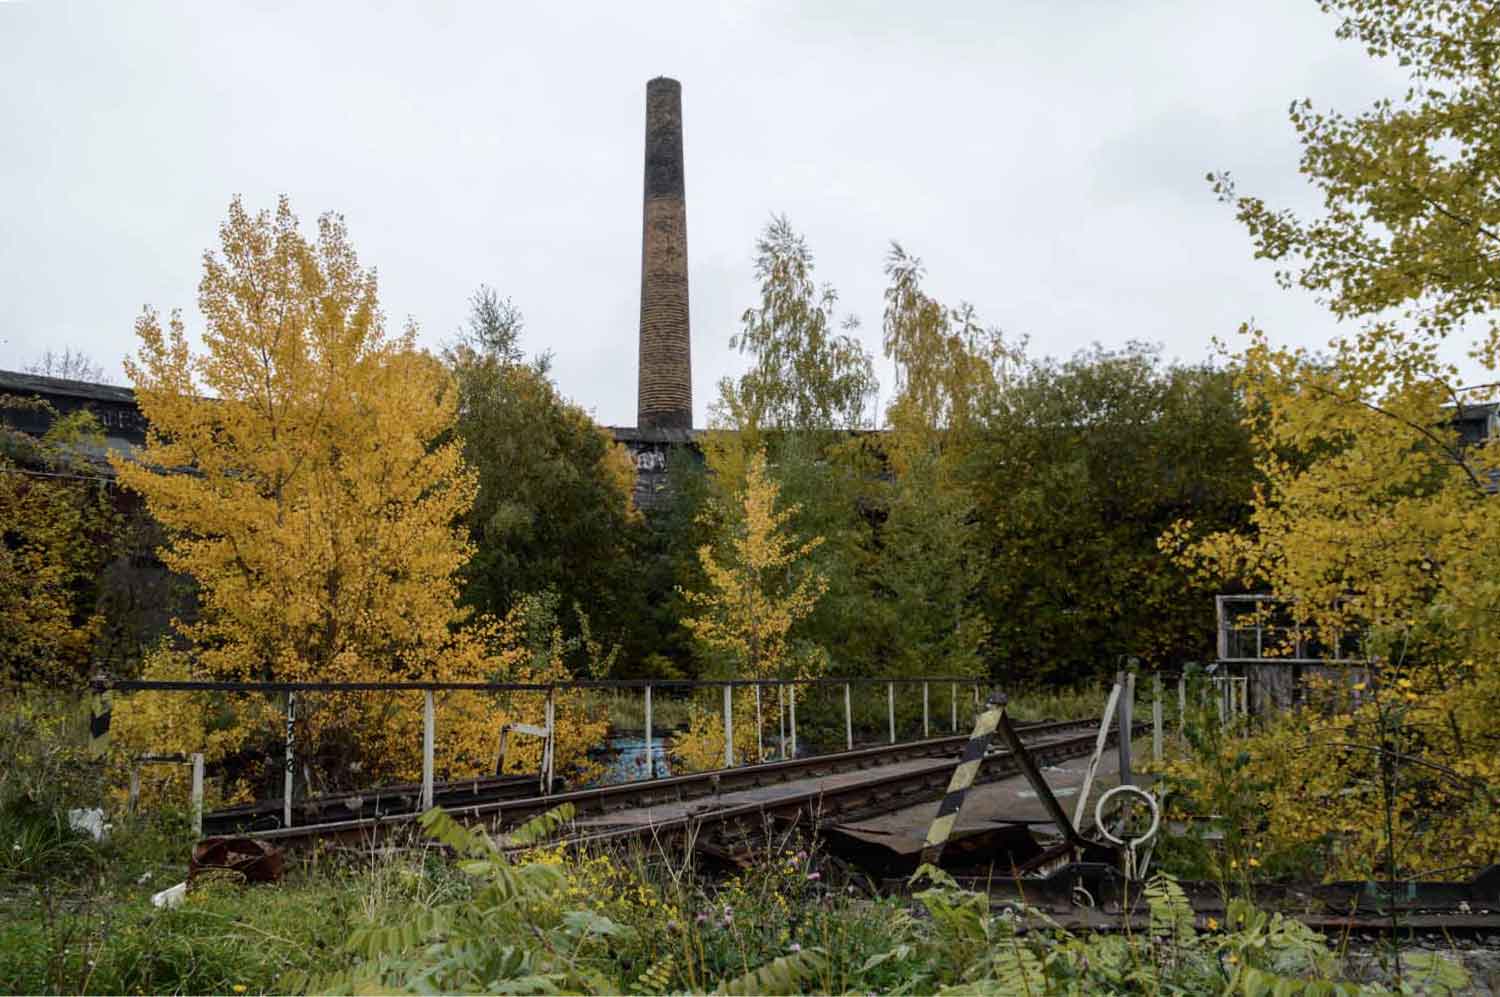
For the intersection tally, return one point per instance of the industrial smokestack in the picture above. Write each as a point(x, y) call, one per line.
point(664, 397)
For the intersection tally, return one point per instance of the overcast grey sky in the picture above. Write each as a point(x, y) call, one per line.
point(1045, 159)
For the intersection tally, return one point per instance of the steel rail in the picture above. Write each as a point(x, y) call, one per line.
point(870, 797)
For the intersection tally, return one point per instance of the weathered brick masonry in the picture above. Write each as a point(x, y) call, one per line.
point(665, 386)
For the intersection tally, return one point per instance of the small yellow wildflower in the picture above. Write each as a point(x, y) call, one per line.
point(1254, 862)
point(1213, 924)
point(1359, 687)
point(238, 988)
point(1404, 683)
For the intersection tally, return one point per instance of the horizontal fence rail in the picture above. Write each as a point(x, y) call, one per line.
point(187, 685)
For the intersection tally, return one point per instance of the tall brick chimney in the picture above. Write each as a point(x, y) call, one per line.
point(664, 396)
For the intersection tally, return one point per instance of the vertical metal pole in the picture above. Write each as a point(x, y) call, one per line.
point(1181, 705)
point(728, 727)
point(1156, 718)
point(291, 759)
point(760, 743)
point(1127, 725)
point(955, 707)
point(1259, 653)
point(1110, 705)
point(926, 718)
point(197, 794)
point(781, 718)
point(848, 720)
point(135, 789)
point(429, 724)
point(549, 753)
point(792, 705)
point(650, 759)
point(890, 707)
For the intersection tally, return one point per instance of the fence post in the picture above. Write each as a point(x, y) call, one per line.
point(549, 750)
point(291, 759)
point(760, 744)
point(1156, 718)
point(1127, 724)
point(650, 760)
point(890, 707)
point(848, 720)
point(429, 722)
point(197, 794)
point(926, 724)
point(728, 726)
point(954, 689)
point(1181, 706)
point(134, 796)
point(792, 704)
point(781, 719)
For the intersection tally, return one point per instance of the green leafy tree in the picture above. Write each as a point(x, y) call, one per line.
point(1083, 466)
point(948, 365)
point(931, 567)
point(807, 393)
point(931, 557)
point(554, 509)
point(805, 375)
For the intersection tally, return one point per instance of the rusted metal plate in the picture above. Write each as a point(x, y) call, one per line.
point(988, 808)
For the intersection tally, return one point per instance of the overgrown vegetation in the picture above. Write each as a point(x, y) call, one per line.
point(548, 920)
point(329, 502)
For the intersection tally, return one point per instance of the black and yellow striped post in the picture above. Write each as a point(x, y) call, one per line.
point(963, 778)
point(100, 702)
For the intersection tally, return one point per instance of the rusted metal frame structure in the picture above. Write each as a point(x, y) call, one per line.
point(1268, 638)
point(786, 691)
point(194, 760)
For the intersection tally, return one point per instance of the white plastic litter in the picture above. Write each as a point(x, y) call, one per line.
point(171, 896)
point(89, 821)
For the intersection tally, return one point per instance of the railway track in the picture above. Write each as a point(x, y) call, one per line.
point(727, 803)
point(1093, 897)
point(403, 798)
point(381, 801)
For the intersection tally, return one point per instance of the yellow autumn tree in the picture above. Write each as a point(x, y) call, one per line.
point(295, 468)
point(1377, 515)
point(757, 587)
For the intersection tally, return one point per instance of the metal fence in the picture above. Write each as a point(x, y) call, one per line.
point(836, 714)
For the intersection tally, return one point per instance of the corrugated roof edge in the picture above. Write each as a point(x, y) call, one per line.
point(18, 382)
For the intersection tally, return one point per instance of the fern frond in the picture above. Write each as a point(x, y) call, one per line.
point(468, 842)
point(373, 941)
point(783, 975)
point(1171, 911)
point(539, 828)
point(511, 883)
